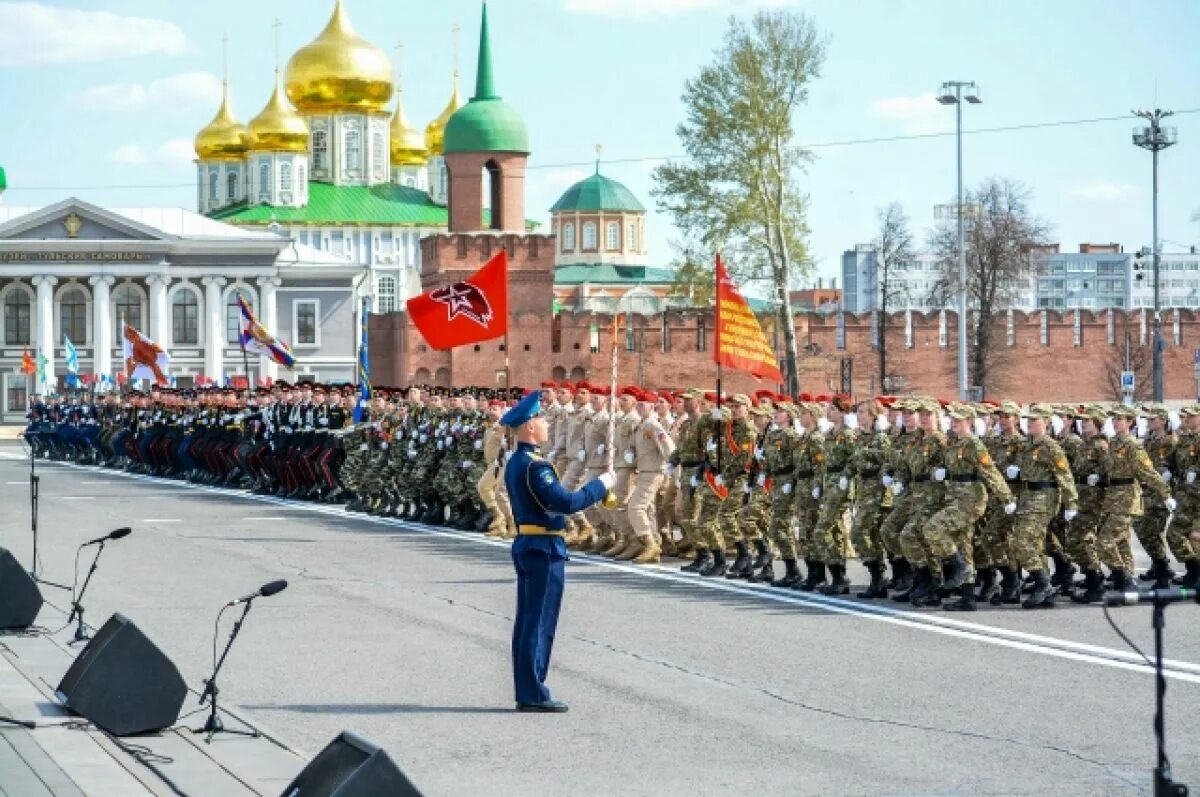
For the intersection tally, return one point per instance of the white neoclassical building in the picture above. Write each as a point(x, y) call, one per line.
point(74, 270)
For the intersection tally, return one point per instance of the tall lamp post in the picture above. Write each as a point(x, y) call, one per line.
point(1155, 138)
point(954, 92)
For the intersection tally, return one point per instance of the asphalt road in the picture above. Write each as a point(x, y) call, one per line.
point(676, 686)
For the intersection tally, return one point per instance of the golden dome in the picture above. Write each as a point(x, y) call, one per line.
point(408, 145)
point(225, 138)
point(435, 131)
point(278, 128)
point(339, 71)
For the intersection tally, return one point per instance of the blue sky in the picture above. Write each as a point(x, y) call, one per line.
point(107, 93)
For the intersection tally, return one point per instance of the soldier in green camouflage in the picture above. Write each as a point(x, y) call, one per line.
point(992, 553)
point(928, 496)
point(866, 465)
point(1081, 539)
point(1187, 517)
point(1160, 445)
point(683, 465)
point(896, 479)
point(810, 463)
point(779, 452)
point(756, 514)
point(833, 492)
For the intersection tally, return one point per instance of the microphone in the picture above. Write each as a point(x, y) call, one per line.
point(1156, 596)
point(265, 591)
point(115, 534)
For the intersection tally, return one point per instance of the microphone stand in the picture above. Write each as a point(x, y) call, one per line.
point(81, 634)
point(35, 482)
point(213, 724)
point(1163, 785)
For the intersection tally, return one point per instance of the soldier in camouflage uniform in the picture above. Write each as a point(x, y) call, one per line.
point(1047, 486)
point(809, 459)
point(833, 492)
point(501, 524)
point(1187, 517)
point(684, 466)
point(734, 436)
point(992, 553)
point(1088, 468)
point(866, 464)
point(928, 496)
point(1160, 445)
point(756, 514)
point(779, 451)
point(1056, 533)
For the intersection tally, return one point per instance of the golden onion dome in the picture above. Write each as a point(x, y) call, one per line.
point(408, 144)
point(339, 71)
point(278, 128)
point(225, 138)
point(435, 131)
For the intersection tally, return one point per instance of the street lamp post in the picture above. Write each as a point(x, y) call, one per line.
point(1155, 138)
point(952, 93)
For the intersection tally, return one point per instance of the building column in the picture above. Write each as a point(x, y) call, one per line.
point(160, 321)
point(267, 312)
point(45, 329)
point(102, 328)
point(214, 339)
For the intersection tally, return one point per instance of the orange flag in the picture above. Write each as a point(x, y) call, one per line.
point(740, 342)
point(28, 366)
point(465, 312)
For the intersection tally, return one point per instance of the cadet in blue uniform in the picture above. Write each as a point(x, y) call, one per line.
point(540, 506)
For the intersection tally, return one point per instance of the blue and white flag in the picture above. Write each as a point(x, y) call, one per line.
point(72, 363)
point(364, 372)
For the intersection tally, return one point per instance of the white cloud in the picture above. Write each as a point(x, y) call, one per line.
point(174, 152)
point(186, 90)
point(915, 115)
point(1103, 191)
point(661, 8)
point(35, 34)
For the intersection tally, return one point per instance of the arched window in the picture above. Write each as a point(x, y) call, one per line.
point(614, 236)
point(233, 315)
point(17, 312)
point(589, 236)
point(231, 186)
point(285, 177)
point(320, 150)
point(353, 149)
point(264, 181)
point(568, 237)
point(386, 293)
point(213, 178)
point(185, 318)
point(72, 308)
point(128, 305)
point(631, 236)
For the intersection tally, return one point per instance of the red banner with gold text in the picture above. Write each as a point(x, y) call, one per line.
point(740, 342)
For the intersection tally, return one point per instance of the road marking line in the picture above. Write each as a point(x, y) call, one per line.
point(24, 482)
point(978, 632)
point(264, 517)
point(161, 520)
point(77, 498)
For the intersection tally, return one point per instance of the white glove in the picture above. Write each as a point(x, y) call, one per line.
point(1171, 504)
point(670, 469)
point(479, 445)
point(843, 483)
point(466, 464)
point(414, 434)
point(886, 479)
point(1012, 472)
point(1166, 474)
point(424, 438)
point(897, 488)
point(939, 474)
point(440, 444)
point(787, 489)
point(710, 446)
point(363, 447)
point(719, 481)
point(582, 455)
point(746, 488)
point(629, 457)
point(1010, 508)
point(758, 453)
point(385, 445)
point(1191, 477)
point(608, 479)
point(1093, 479)
point(600, 450)
point(694, 482)
point(1069, 514)
point(449, 441)
point(715, 414)
point(762, 479)
point(816, 492)
point(412, 454)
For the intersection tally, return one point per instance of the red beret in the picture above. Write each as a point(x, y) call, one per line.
point(711, 395)
point(944, 402)
point(549, 383)
point(583, 385)
point(628, 390)
point(762, 394)
point(804, 397)
point(648, 395)
point(822, 399)
point(567, 386)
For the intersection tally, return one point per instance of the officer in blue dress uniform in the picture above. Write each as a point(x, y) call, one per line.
point(540, 506)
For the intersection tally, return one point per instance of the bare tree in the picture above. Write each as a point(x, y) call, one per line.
point(893, 249)
point(1001, 236)
point(1129, 356)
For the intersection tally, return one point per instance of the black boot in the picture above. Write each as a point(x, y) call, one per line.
point(1093, 588)
point(718, 567)
point(434, 515)
point(1043, 593)
point(902, 575)
point(1010, 587)
point(762, 562)
point(877, 588)
point(415, 511)
point(816, 575)
point(1191, 579)
point(920, 582)
point(924, 583)
point(741, 565)
point(791, 576)
point(988, 588)
point(484, 522)
point(1064, 572)
point(838, 585)
point(468, 518)
point(966, 603)
point(954, 571)
point(702, 560)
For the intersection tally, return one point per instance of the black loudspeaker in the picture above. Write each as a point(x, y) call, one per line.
point(20, 598)
point(122, 682)
point(350, 766)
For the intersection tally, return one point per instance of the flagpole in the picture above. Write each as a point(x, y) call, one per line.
point(717, 347)
point(610, 499)
point(245, 357)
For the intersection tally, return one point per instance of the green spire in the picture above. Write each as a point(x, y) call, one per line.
point(485, 85)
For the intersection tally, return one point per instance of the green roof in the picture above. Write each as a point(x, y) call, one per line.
point(608, 274)
point(386, 204)
point(486, 123)
point(597, 193)
point(3, 179)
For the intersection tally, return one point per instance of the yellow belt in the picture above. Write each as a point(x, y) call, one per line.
point(539, 531)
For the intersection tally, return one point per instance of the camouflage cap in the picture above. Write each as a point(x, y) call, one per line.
point(1038, 411)
point(739, 400)
point(1151, 410)
point(963, 412)
point(1008, 408)
point(1094, 412)
point(929, 405)
point(1190, 409)
point(1121, 411)
point(788, 407)
point(761, 411)
point(693, 393)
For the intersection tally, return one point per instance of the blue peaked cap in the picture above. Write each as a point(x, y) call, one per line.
point(525, 409)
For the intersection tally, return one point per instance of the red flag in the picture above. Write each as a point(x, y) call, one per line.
point(28, 366)
point(740, 342)
point(720, 490)
point(465, 312)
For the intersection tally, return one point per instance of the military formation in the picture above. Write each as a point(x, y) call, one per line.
point(945, 504)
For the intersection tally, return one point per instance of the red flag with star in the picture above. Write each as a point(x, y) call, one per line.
point(469, 311)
